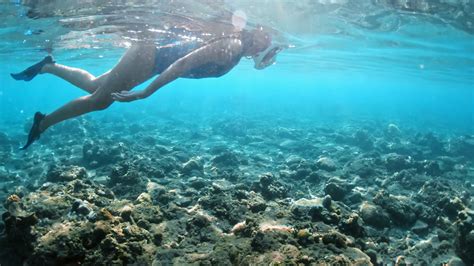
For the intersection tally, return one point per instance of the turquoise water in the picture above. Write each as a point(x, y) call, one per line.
point(418, 72)
point(356, 147)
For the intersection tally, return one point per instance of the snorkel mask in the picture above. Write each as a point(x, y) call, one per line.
point(267, 57)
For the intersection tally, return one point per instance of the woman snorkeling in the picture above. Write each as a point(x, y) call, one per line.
point(142, 61)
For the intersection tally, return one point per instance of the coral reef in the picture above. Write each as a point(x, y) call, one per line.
point(238, 194)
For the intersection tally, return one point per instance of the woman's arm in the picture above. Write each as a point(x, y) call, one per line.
point(220, 52)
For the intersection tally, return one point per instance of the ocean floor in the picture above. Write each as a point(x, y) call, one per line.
point(240, 191)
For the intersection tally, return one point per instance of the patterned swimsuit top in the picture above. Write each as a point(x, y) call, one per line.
point(168, 54)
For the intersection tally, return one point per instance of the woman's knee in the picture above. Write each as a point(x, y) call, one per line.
point(92, 85)
point(100, 103)
point(100, 80)
point(103, 104)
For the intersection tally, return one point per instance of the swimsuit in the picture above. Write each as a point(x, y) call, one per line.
point(167, 55)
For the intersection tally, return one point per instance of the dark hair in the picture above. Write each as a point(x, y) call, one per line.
point(246, 38)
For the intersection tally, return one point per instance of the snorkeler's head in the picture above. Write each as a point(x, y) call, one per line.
point(259, 41)
point(261, 49)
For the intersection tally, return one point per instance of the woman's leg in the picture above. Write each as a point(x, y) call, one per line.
point(99, 100)
point(76, 76)
point(134, 68)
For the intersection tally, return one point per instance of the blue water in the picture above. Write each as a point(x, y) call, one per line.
point(352, 71)
point(417, 99)
point(418, 73)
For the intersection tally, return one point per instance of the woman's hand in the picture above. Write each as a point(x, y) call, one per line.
point(128, 96)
